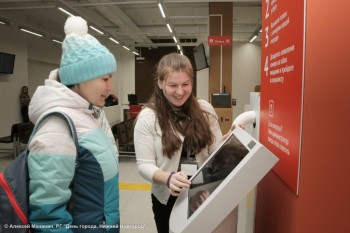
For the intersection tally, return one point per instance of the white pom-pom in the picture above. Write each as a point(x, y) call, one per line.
point(77, 25)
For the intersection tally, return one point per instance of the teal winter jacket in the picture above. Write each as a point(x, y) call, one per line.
point(68, 195)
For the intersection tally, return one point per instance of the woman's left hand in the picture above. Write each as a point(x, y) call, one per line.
point(178, 181)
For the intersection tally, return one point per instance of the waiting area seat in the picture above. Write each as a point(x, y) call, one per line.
point(24, 132)
point(124, 135)
point(12, 138)
point(20, 133)
point(134, 110)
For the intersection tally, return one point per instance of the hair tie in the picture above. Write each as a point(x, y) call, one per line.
point(168, 181)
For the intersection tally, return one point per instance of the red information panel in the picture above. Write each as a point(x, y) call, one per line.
point(282, 75)
point(219, 40)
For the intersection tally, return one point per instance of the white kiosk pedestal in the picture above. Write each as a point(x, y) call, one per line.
point(225, 178)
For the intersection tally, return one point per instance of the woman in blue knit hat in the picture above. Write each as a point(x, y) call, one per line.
point(84, 81)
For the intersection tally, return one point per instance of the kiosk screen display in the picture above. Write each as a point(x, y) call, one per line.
point(219, 166)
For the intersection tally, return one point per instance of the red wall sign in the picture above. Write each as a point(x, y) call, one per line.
point(219, 40)
point(282, 84)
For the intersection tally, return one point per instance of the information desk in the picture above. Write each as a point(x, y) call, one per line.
point(233, 170)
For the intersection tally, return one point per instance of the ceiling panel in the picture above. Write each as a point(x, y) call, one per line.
point(136, 23)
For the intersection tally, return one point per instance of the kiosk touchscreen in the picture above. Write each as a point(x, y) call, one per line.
point(219, 185)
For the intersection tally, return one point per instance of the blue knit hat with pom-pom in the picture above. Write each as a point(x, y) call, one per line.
point(83, 57)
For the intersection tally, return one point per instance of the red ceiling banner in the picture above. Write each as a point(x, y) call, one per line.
point(219, 40)
point(282, 74)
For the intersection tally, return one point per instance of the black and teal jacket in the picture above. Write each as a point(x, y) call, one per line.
point(68, 195)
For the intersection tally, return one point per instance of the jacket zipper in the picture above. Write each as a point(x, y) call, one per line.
point(14, 204)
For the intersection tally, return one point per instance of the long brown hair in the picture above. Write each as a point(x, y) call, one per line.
point(23, 94)
point(198, 131)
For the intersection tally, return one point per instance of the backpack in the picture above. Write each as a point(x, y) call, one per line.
point(14, 186)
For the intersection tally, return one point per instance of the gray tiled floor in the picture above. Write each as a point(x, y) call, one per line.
point(5, 159)
point(135, 205)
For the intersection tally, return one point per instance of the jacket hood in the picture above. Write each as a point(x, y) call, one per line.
point(55, 95)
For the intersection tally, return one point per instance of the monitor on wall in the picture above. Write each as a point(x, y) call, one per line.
point(200, 57)
point(132, 98)
point(7, 62)
point(221, 100)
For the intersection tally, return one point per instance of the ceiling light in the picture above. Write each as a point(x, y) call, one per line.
point(92, 27)
point(161, 9)
point(178, 47)
point(57, 41)
point(255, 34)
point(115, 41)
point(253, 38)
point(65, 11)
point(168, 25)
point(125, 47)
point(2, 22)
point(135, 53)
point(30, 32)
point(174, 38)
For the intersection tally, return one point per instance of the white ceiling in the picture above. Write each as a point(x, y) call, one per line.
point(135, 23)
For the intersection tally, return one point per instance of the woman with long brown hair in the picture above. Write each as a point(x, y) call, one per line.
point(24, 99)
point(174, 134)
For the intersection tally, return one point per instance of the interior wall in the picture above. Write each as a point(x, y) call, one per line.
point(220, 73)
point(124, 79)
point(35, 61)
point(322, 205)
point(43, 57)
point(203, 84)
point(12, 41)
point(35, 58)
point(246, 60)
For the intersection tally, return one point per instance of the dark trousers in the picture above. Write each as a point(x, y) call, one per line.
point(24, 112)
point(162, 213)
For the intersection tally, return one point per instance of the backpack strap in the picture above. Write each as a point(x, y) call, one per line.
point(66, 118)
point(14, 181)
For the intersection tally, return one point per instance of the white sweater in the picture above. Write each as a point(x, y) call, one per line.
point(149, 153)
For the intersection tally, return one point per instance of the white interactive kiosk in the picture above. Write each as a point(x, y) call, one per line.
point(233, 170)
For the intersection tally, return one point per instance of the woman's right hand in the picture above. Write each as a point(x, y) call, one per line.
point(178, 182)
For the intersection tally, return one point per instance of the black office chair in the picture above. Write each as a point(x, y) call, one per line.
point(132, 98)
point(24, 132)
point(13, 138)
